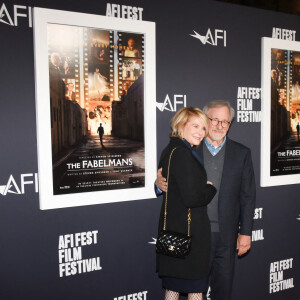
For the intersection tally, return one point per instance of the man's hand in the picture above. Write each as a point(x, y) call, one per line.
point(161, 182)
point(243, 244)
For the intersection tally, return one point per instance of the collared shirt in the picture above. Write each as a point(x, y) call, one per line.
point(212, 149)
point(193, 149)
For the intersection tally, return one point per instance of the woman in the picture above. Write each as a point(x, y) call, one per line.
point(100, 83)
point(187, 188)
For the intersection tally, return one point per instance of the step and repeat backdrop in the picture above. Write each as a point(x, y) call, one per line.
point(83, 236)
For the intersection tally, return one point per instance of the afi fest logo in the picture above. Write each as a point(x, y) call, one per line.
point(283, 34)
point(172, 104)
point(14, 188)
point(18, 11)
point(212, 37)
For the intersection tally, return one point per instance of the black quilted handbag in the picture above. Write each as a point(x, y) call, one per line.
point(172, 243)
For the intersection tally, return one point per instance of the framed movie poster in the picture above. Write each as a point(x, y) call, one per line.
point(95, 102)
point(280, 141)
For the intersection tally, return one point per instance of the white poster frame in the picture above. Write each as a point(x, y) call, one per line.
point(266, 179)
point(43, 17)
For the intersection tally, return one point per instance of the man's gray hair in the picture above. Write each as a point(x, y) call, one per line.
point(219, 103)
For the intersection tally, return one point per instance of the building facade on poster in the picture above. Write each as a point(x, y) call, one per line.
point(277, 281)
point(18, 186)
point(172, 103)
point(70, 256)
point(248, 98)
point(13, 18)
point(214, 37)
point(134, 296)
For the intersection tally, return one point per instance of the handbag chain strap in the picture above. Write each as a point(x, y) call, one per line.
point(189, 219)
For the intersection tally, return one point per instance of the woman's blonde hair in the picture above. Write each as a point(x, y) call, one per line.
point(182, 116)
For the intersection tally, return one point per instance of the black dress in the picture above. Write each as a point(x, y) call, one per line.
point(187, 188)
point(185, 285)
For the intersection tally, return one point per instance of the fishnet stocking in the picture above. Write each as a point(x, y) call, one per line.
point(195, 296)
point(171, 295)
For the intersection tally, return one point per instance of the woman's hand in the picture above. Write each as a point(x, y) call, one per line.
point(161, 181)
point(209, 182)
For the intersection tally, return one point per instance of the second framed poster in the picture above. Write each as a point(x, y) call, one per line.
point(280, 141)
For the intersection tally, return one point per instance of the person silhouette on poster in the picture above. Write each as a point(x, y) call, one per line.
point(100, 130)
point(298, 129)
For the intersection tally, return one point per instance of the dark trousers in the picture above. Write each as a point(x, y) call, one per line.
point(101, 141)
point(221, 268)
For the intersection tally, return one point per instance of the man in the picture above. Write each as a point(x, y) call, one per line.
point(274, 77)
point(70, 95)
point(229, 167)
point(100, 130)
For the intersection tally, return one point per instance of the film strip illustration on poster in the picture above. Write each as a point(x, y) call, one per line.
point(96, 91)
point(285, 112)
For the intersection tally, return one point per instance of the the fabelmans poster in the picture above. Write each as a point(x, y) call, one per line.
point(281, 112)
point(95, 98)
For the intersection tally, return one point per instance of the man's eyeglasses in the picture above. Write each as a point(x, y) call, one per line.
point(216, 122)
